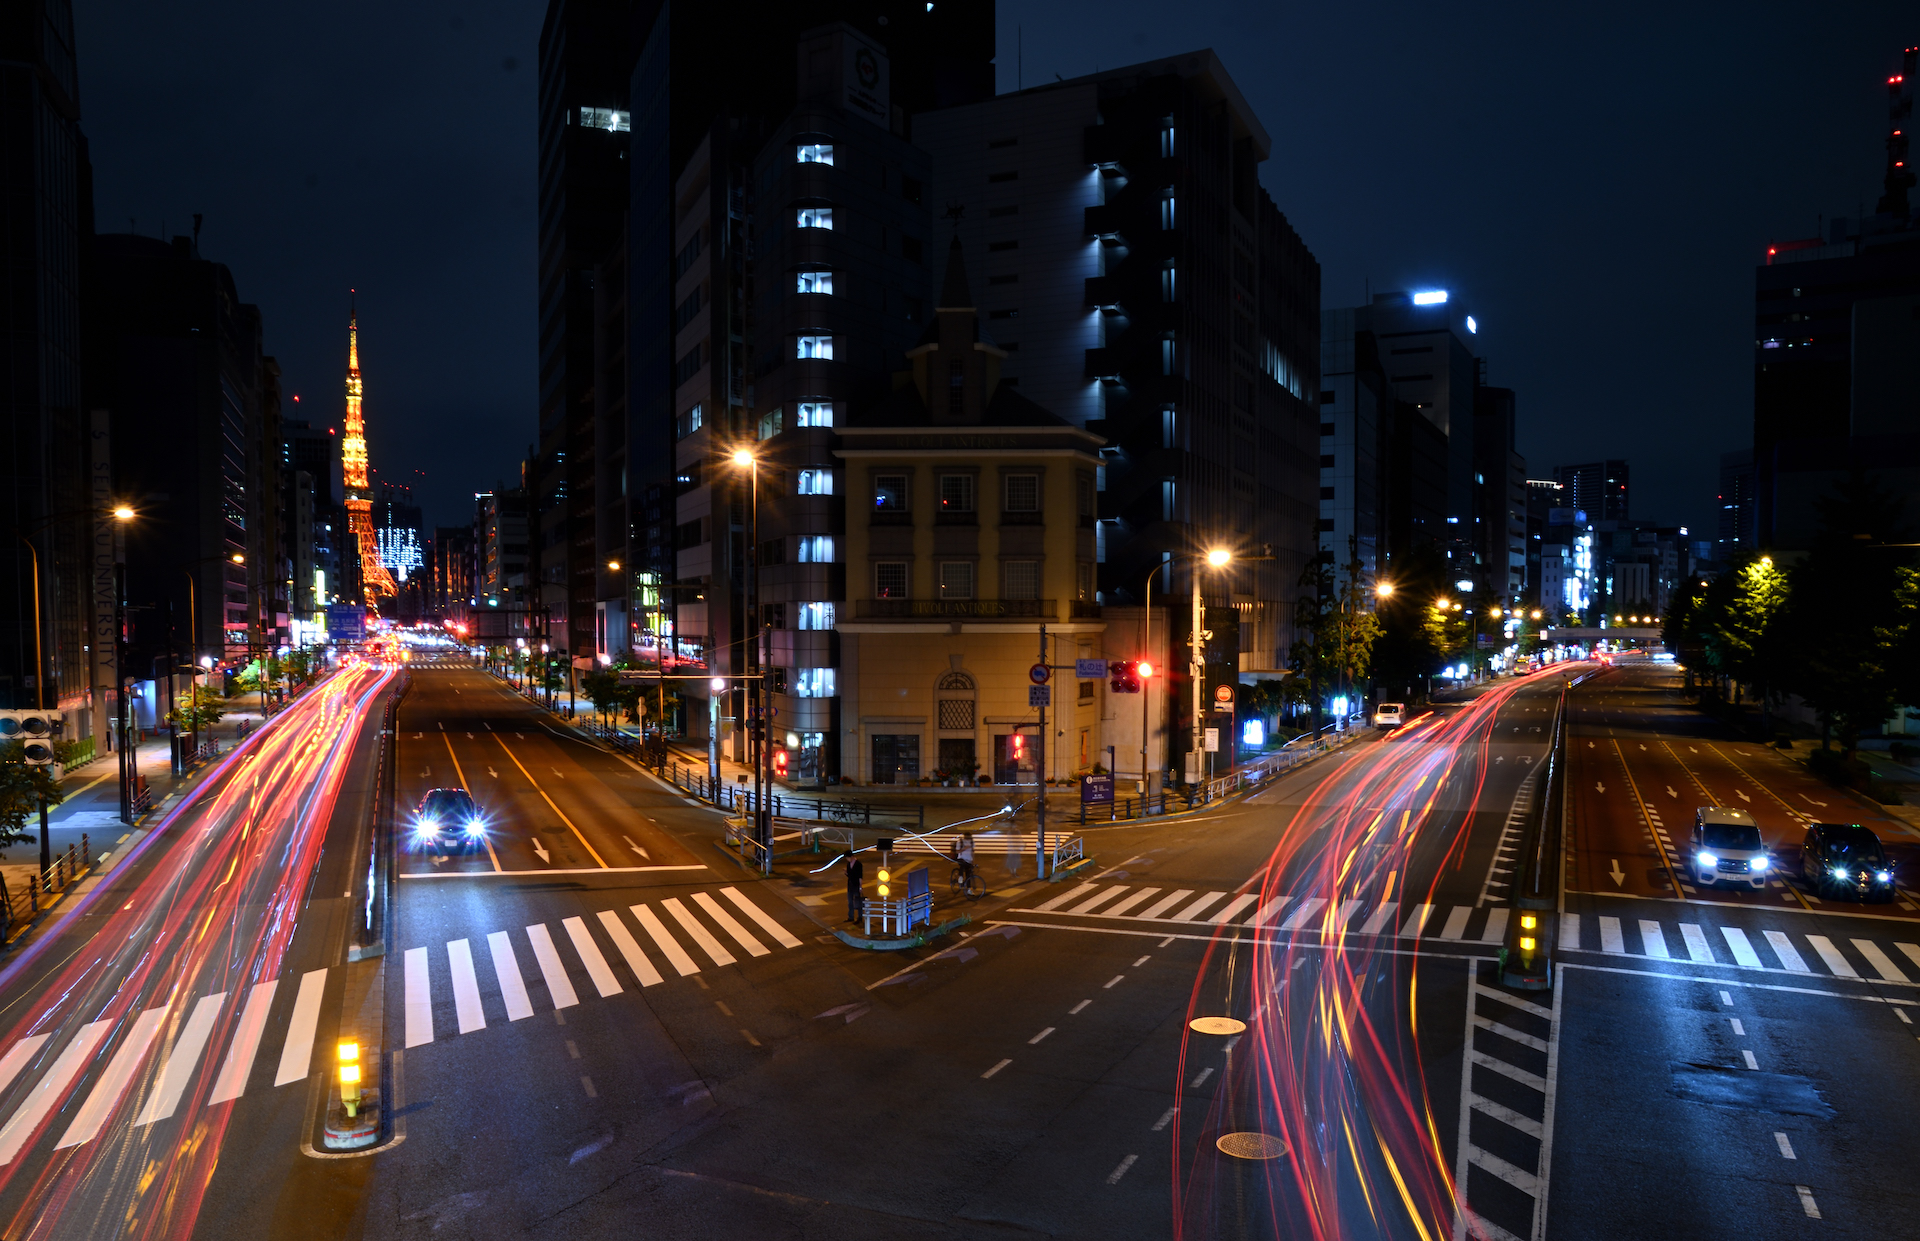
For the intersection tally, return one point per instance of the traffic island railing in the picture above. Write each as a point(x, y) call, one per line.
point(1533, 927)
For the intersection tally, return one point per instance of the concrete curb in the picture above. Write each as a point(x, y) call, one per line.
point(912, 941)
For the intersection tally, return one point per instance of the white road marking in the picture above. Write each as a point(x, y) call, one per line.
point(419, 1004)
point(1200, 1077)
point(1096, 900)
point(1301, 912)
point(1142, 961)
point(1697, 947)
point(629, 949)
point(760, 918)
point(1380, 918)
point(296, 1054)
point(1788, 954)
point(1831, 955)
point(1751, 1062)
point(506, 967)
point(181, 1061)
point(1227, 912)
point(1113, 1177)
point(1742, 950)
point(1165, 903)
point(1144, 894)
point(1807, 1203)
point(996, 1068)
point(559, 986)
point(1910, 951)
point(46, 1093)
point(668, 945)
point(1410, 929)
point(232, 1082)
point(727, 923)
point(1111, 982)
point(1878, 960)
point(1456, 926)
point(113, 1083)
point(1739, 1027)
point(1066, 897)
point(597, 968)
point(1496, 926)
point(1077, 1007)
point(1166, 1118)
point(698, 933)
point(1193, 911)
point(1610, 940)
point(1036, 1038)
point(466, 988)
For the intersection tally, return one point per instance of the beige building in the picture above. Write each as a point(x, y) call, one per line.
point(970, 535)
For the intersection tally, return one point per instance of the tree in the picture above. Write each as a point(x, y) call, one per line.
point(1736, 624)
point(201, 707)
point(1413, 643)
point(24, 787)
point(1336, 656)
point(301, 666)
point(608, 695)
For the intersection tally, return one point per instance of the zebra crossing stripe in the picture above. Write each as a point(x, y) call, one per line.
point(47, 1093)
point(419, 1002)
point(699, 934)
point(1653, 939)
point(1416, 922)
point(1456, 927)
point(1698, 949)
point(296, 1054)
point(597, 968)
point(1233, 907)
point(181, 1061)
point(544, 954)
point(669, 946)
point(1193, 911)
point(1143, 895)
point(761, 919)
point(1570, 930)
point(1911, 951)
point(1304, 910)
point(753, 946)
point(624, 941)
point(1887, 970)
point(1788, 954)
point(1165, 903)
point(1496, 929)
point(1742, 950)
point(113, 1083)
point(1265, 913)
point(513, 988)
point(466, 987)
point(1098, 898)
point(232, 1082)
point(1610, 939)
point(1831, 955)
point(1067, 897)
point(1380, 918)
point(18, 1055)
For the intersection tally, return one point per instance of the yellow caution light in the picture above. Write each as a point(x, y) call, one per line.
point(1526, 943)
point(1528, 922)
point(349, 1074)
point(349, 1051)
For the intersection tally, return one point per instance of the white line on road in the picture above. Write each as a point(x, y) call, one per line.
point(1142, 961)
point(246, 1041)
point(559, 986)
point(1166, 1118)
point(1036, 1038)
point(996, 1068)
point(1110, 982)
point(597, 968)
point(728, 924)
point(419, 1006)
point(699, 934)
point(1751, 1062)
point(624, 941)
point(46, 1093)
point(513, 988)
point(296, 1055)
point(466, 988)
point(668, 945)
point(1077, 1007)
point(1113, 1177)
point(181, 1061)
point(113, 1083)
point(1831, 955)
point(1807, 1203)
point(760, 918)
point(1788, 954)
point(1739, 1027)
point(1200, 1077)
point(1786, 1147)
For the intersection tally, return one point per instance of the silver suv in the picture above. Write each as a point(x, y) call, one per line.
point(1727, 849)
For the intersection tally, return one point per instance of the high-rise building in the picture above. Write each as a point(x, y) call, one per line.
point(47, 423)
point(1596, 488)
point(314, 474)
point(1146, 288)
point(1735, 504)
point(1500, 495)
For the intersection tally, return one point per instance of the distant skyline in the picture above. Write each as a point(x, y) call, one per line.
point(1599, 192)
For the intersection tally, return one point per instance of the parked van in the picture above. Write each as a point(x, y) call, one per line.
point(1388, 714)
point(1727, 849)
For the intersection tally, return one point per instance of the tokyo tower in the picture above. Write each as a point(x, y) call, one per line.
point(376, 583)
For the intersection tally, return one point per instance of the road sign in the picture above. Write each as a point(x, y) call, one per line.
point(1090, 669)
point(1223, 697)
point(346, 622)
point(1039, 695)
point(1096, 790)
point(1040, 672)
point(1213, 741)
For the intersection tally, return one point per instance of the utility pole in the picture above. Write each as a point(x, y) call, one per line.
point(1198, 669)
point(1040, 776)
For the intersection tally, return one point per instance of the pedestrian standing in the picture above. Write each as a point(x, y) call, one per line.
point(966, 859)
point(856, 899)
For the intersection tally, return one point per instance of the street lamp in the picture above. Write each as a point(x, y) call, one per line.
point(1217, 558)
point(1383, 590)
point(758, 732)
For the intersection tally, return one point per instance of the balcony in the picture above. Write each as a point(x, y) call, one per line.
point(1084, 609)
point(955, 609)
point(1102, 220)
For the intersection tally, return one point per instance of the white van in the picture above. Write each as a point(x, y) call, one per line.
point(1387, 714)
point(1727, 849)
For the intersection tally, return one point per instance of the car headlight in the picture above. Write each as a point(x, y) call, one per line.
point(475, 827)
point(1838, 872)
point(1760, 863)
point(1884, 876)
point(1706, 859)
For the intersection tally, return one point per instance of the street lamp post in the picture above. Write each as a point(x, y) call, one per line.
point(759, 729)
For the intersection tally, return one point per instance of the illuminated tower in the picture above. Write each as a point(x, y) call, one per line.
point(376, 582)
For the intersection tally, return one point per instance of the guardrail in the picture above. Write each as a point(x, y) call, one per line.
point(739, 799)
point(19, 909)
point(1533, 928)
point(1261, 770)
point(376, 882)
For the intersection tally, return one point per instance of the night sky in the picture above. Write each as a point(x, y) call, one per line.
point(1597, 188)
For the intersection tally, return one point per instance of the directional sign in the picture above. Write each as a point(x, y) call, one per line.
point(1039, 695)
point(1090, 669)
point(1040, 672)
point(1096, 790)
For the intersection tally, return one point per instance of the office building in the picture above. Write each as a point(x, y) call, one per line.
point(1735, 504)
point(1500, 495)
point(1596, 488)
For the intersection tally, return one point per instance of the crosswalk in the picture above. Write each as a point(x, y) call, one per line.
point(220, 1040)
point(680, 935)
point(1849, 957)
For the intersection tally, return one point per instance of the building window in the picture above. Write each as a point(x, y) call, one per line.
point(813, 682)
point(813, 217)
point(685, 312)
point(1023, 493)
point(956, 579)
point(1084, 582)
point(1086, 690)
point(1326, 461)
point(815, 548)
point(815, 414)
point(956, 713)
point(1168, 283)
point(684, 259)
point(815, 615)
point(1326, 493)
point(687, 367)
point(1083, 493)
point(613, 120)
point(813, 347)
point(956, 493)
point(890, 579)
point(1168, 356)
point(1166, 140)
point(772, 422)
point(1168, 213)
point(816, 482)
point(910, 189)
point(814, 282)
point(890, 493)
point(690, 422)
point(1022, 579)
point(910, 248)
point(814, 153)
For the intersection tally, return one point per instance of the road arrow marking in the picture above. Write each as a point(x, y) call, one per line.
point(469, 736)
point(1589, 745)
point(538, 847)
point(1619, 876)
point(1742, 795)
point(556, 771)
point(493, 773)
point(441, 725)
point(637, 849)
point(1599, 786)
point(1691, 750)
point(419, 736)
point(426, 773)
point(1671, 792)
point(1643, 745)
point(1817, 803)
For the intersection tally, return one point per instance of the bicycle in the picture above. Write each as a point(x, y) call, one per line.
point(960, 881)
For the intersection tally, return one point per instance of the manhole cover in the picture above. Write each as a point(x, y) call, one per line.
point(1218, 1025)
point(1250, 1145)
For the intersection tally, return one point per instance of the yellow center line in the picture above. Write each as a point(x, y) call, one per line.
point(556, 809)
point(1633, 788)
point(487, 841)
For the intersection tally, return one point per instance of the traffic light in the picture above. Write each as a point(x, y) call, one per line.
point(1017, 748)
point(779, 679)
point(1124, 676)
point(1143, 670)
point(780, 763)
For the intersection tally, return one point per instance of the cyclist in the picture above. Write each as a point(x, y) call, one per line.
point(963, 856)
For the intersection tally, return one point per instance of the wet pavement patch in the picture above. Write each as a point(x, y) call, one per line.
point(1762, 1092)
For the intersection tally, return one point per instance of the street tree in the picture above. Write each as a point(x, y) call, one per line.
point(24, 788)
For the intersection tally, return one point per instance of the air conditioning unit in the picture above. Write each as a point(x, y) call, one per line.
point(36, 729)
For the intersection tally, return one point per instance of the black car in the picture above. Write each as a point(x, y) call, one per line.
point(1845, 859)
point(447, 818)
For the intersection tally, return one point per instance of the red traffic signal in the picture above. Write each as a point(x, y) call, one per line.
point(1123, 676)
point(1018, 744)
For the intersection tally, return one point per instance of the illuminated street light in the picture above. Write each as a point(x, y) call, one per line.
point(614, 565)
point(719, 685)
point(1443, 603)
point(1383, 589)
point(743, 457)
point(122, 513)
point(1219, 556)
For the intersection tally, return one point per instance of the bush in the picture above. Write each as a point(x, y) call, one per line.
point(1833, 767)
point(1902, 752)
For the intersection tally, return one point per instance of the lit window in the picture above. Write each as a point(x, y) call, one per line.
point(890, 493)
point(815, 548)
point(814, 153)
point(1432, 297)
point(813, 347)
point(816, 616)
point(1023, 493)
point(816, 482)
point(956, 579)
point(1166, 142)
point(1086, 580)
point(772, 422)
point(813, 217)
point(815, 414)
point(612, 120)
point(815, 282)
point(1168, 283)
point(1167, 212)
point(1022, 579)
point(956, 493)
point(813, 682)
point(890, 579)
